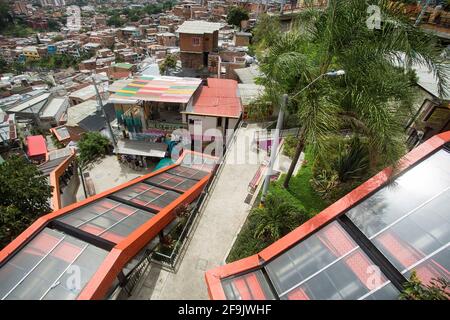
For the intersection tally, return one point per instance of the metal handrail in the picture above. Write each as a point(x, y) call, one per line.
point(200, 204)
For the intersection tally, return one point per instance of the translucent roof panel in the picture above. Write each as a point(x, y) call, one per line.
point(52, 265)
point(409, 222)
point(63, 133)
point(386, 292)
point(172, 181)
point(251, 286)
point(198, 162)
point(326, 265)
point(406, 194)
point(147, 196)
point(108, 219)
point(188, 173)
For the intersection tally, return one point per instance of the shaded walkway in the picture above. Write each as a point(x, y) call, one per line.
point(217, 228)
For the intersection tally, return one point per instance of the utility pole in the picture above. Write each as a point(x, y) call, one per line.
point(424, 9)
point(82, 179)
point(274, 147)
point(100, 102)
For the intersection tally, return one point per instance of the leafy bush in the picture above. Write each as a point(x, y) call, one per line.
point(325, 182)
point(277, 218)
point(438, 289)
point(352, 161)
point(259, 109)
point(92, 145)
point(290, 143)
point(281, 214)
point(334, 174)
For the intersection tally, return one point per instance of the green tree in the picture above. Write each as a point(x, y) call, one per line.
point(23, 186)
point(374, 99)
point(53, 25)
point(153, 8)
point(12, 223)
point(4, 66)
point(266, 30)
point(277, 218)
point(438, 289)
point(115, 20)
point(169, 63)
point(236, 15)
point(5, 16)
point(92, 145)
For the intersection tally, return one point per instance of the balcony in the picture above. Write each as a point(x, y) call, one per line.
point(165, 125)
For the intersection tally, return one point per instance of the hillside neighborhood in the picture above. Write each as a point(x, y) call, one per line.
point(224, 150)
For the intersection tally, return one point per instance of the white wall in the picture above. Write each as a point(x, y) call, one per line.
point(207, 122)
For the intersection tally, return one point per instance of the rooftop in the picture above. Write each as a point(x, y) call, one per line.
point(426, 78)
point(53, 107)
point(154, 88)
point(102, 235)
point(34, 103)
point(87, 92)
point(87, 116)
point(123, 65)
point(218, 98)
point(248, 75)
point(249, 92)
point(198, 27)
point(36, 146)
point(396, 225)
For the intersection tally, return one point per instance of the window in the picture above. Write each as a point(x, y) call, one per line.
point(196, 41)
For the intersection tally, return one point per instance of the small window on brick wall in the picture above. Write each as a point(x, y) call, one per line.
point(195, 41)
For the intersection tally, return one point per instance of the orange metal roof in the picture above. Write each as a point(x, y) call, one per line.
point(218, 98)
point(36, 146)
point(244, 271)
point(125, 248)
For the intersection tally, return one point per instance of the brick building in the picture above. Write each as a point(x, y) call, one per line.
point(196, 40)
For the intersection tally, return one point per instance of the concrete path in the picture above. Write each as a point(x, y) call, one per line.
point(217, 228)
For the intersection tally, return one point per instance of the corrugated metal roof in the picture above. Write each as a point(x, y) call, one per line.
point(36, 146)
point(198, 27)
point(249, 92)
point(248, 75)
point(42, 98)
point(53, 107)
point(150, 88)
point(219, 98)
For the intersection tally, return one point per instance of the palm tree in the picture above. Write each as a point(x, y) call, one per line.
point(276, 218)
point(374, 99)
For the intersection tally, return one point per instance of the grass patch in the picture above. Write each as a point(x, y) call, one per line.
point(300, 194)
point(300, 188)
point(246, 244)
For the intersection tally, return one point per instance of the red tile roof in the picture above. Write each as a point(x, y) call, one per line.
point(218, 98)
point(36, 146)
